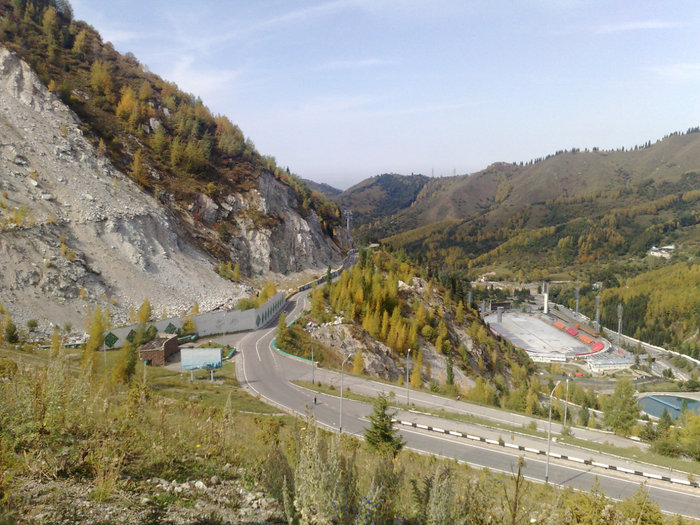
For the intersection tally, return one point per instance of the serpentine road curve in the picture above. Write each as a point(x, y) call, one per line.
point(267, 373)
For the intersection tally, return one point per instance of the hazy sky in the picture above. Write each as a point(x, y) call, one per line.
point(346, 89)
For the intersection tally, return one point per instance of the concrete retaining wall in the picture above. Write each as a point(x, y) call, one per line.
point(209, 323)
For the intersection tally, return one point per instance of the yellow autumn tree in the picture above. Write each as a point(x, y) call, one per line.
point(357, 364)
point(417, 372)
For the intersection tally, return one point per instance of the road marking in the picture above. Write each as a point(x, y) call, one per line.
point(290, 410)
point(537, 460)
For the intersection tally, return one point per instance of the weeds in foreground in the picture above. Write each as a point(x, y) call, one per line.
point(57, 423)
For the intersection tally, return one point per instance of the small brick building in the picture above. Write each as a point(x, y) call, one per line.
point(157, 351)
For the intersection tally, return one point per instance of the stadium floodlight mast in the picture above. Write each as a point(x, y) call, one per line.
point(619, 324)
point(340, 424)
point(549, 433)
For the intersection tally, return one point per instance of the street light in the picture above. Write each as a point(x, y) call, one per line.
point(340, 425)
point(549, 432)
point(313, 365)
point(408, 354)
point(566, 403)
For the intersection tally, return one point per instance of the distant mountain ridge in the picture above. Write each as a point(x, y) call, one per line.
point(380, 196)
point(323, 188)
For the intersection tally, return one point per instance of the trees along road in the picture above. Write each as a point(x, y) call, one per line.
point(268, 373)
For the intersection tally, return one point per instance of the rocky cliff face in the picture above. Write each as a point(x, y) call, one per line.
point(75, 232)
point(270, 233)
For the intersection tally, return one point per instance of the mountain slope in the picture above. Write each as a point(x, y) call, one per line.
point(502, 190)
point(323, 188)
point(197, 164)
point(380, 196)
point(74, 231)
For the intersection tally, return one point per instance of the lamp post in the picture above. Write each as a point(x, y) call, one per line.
point(340, 425)
point(566, 403)
point(549, 433)
point(313, 364)
point(408, 355)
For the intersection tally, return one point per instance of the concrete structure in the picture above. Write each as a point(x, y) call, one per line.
point(545, 291)
point(664, 252)
point(157, 351)
point(210, 323)
point(543, 340)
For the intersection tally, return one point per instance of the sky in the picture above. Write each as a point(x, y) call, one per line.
point(342, 90)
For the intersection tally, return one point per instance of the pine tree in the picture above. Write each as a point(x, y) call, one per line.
point(621, 410)
point(189, 326)
point(381, 434)
point(357, 364)
point(282, 326)
point(450, 372)
point(385, 326)
point(11, 334)
point(144, 313)
point(417, 372)
point(125, 367)
point(138, 172)
point(459, 314)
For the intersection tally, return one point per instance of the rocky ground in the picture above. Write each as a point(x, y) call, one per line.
point(154, 501)
point(75, 232)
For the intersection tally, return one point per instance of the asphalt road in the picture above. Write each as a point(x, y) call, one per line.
point(267, 373)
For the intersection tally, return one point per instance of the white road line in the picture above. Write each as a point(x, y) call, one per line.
point(568, 467)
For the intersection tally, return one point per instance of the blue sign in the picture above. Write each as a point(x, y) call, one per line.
point(200, 358)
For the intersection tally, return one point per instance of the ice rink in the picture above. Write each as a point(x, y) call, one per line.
point(535, 335)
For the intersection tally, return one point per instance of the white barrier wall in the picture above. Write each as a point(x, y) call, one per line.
point(209, 323)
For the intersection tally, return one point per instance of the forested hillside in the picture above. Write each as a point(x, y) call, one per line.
point(166, 140)
point(392, 302)
point(660, 306)
point(380, 196)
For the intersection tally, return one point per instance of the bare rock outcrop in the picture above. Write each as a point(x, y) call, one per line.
point(75, 232)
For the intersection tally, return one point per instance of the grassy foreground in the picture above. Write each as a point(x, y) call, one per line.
point(60, 422)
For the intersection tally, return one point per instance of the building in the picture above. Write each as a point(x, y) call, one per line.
point(157, 351)
point(664, 252)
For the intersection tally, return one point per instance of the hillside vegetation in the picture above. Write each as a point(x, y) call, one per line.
point(75, 445)
point(388, 300)
point(660, 306)
point(166, 140)
point(583, 215)
point(380, 196)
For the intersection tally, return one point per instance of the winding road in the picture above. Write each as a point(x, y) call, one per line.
point(269, 374)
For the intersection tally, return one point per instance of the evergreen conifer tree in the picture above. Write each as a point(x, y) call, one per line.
point(381, 434)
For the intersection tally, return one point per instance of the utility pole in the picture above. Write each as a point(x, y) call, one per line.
point(313, 364)
point(348, 216)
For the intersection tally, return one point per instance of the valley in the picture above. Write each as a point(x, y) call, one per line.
point(191, 332)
